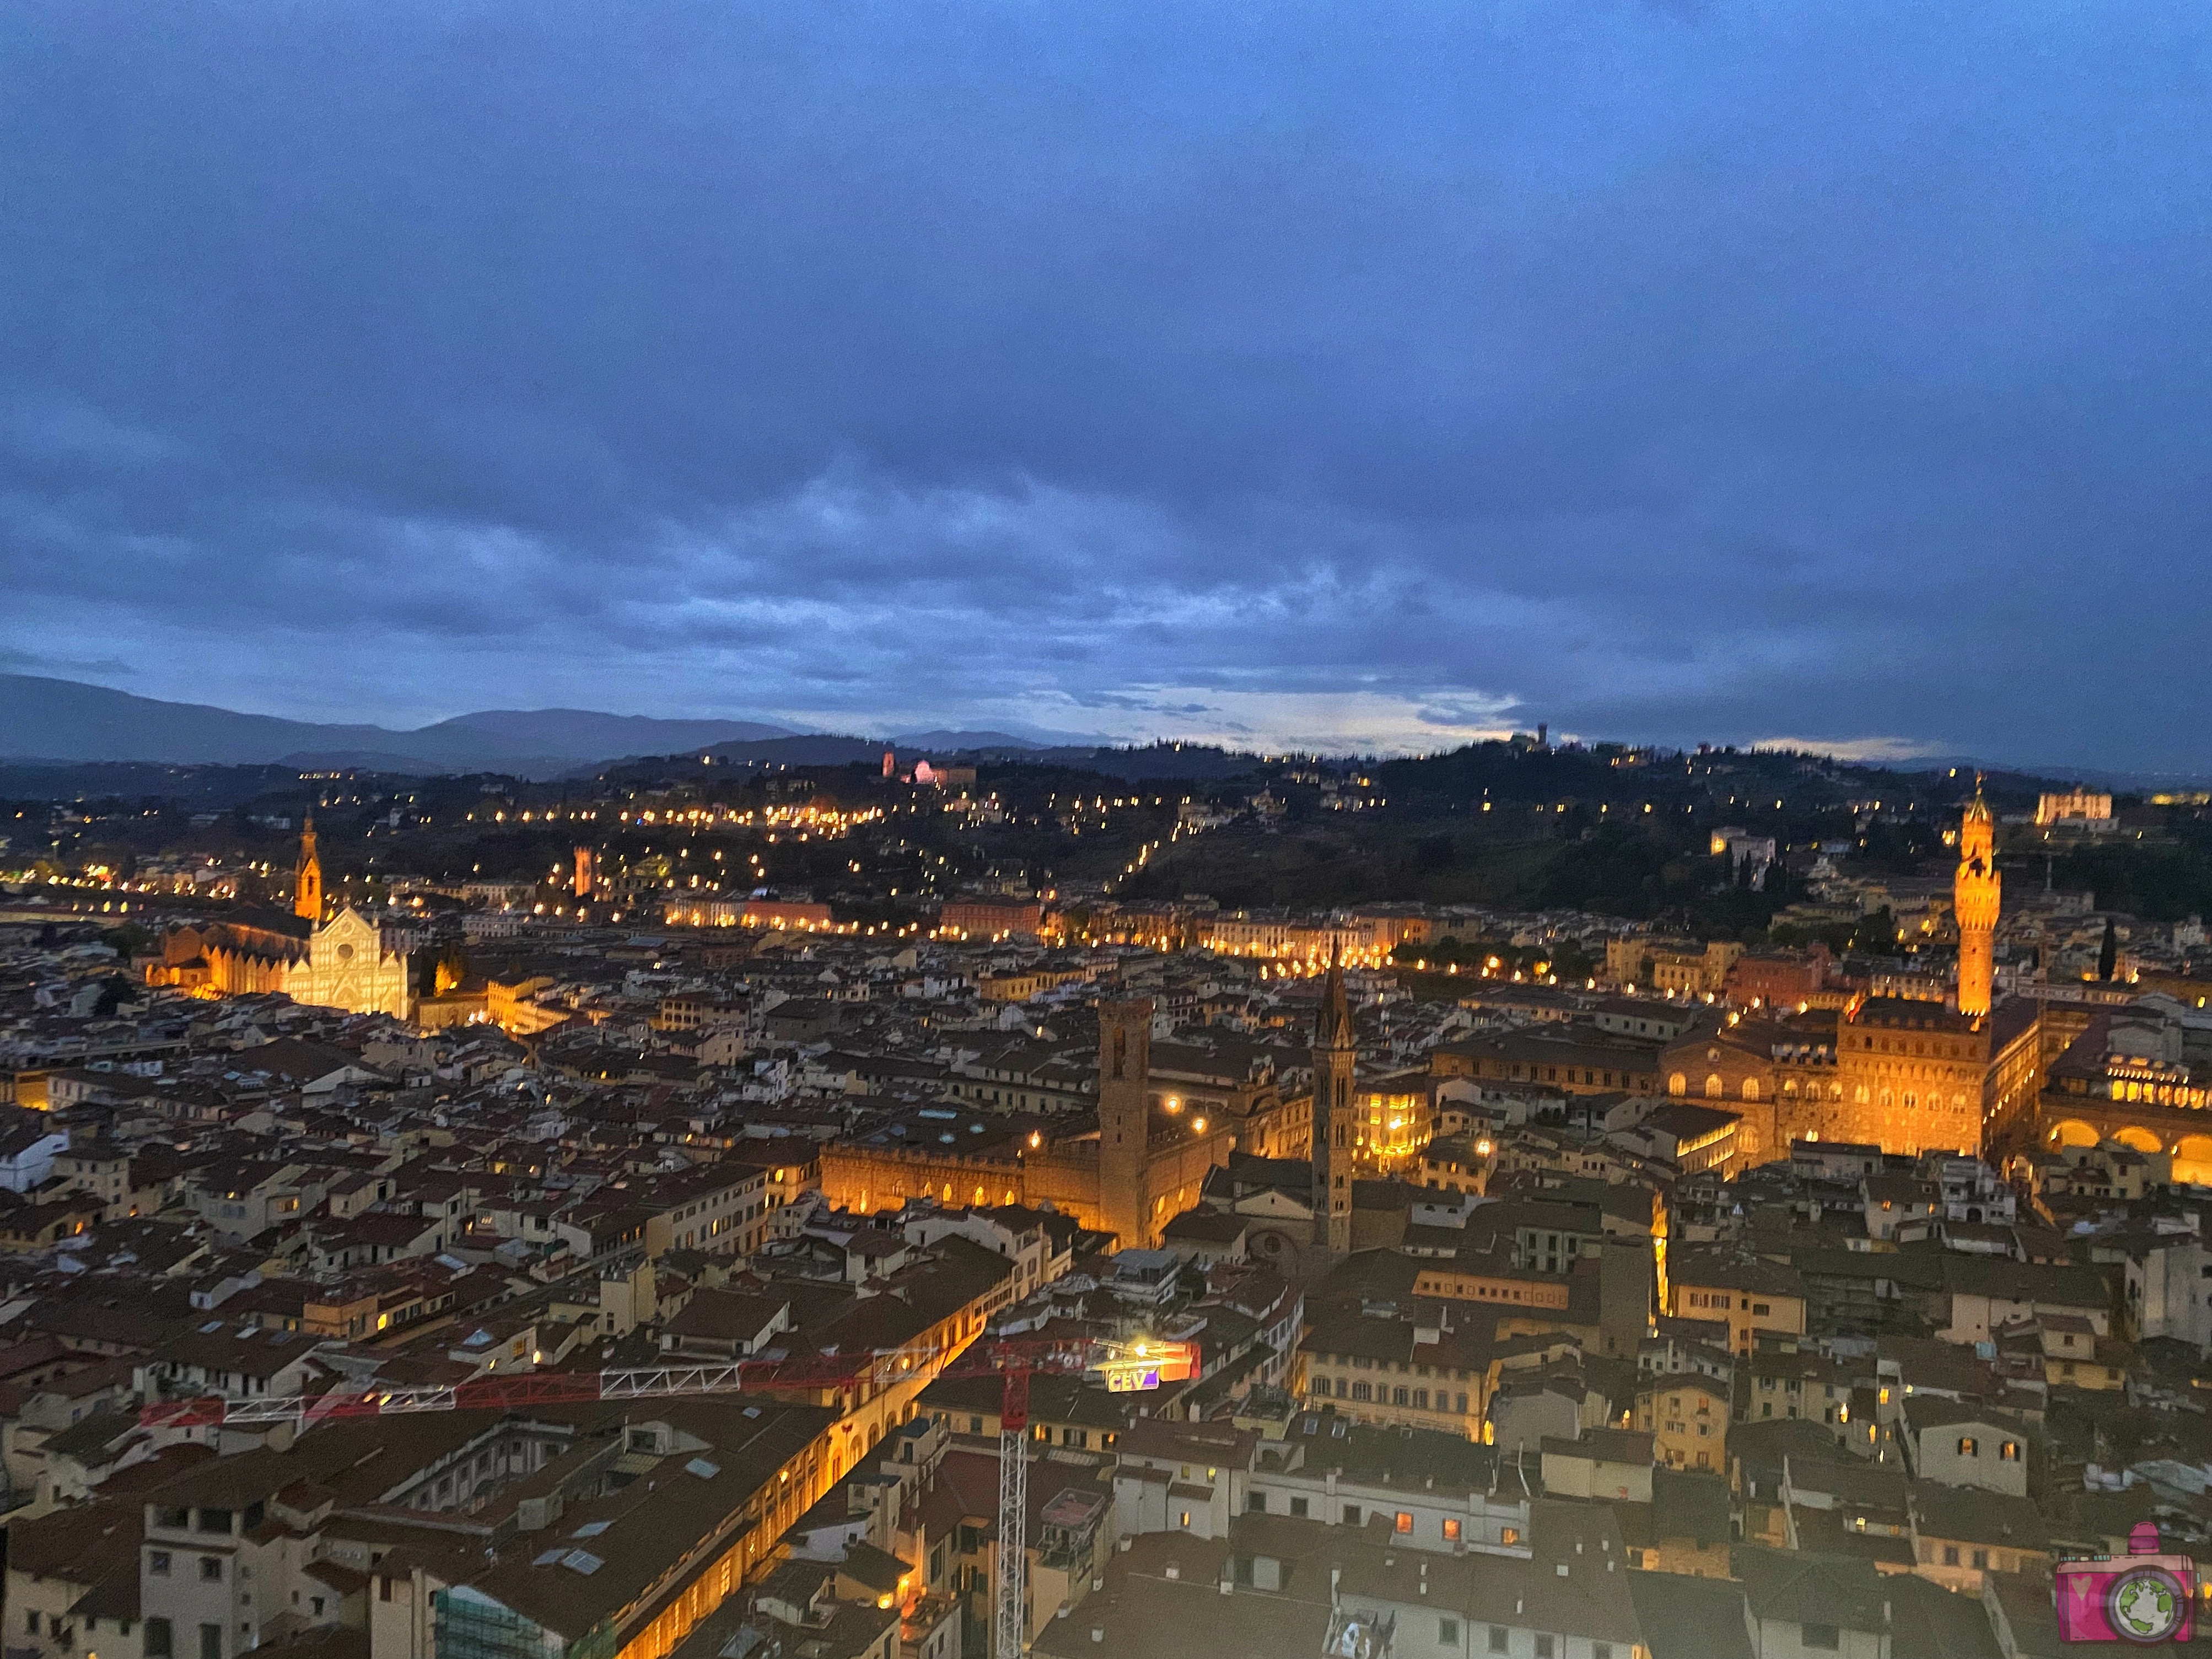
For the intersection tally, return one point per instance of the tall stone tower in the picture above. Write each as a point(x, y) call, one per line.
point(1976, 894)
point(1335, 1053)
point(307, 877)
point(1125, 1065)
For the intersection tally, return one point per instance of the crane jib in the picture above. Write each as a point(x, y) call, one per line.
point(1119, 1365)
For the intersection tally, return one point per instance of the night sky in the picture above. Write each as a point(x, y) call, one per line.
point(1362, 375)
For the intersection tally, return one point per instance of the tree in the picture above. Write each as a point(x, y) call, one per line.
point(1876, 932)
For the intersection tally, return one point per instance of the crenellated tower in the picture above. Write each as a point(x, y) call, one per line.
point(1335, 1056)
point(1125, 1067)
point(307, 877)
point(1976, 898)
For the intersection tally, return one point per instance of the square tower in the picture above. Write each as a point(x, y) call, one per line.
point(1125, 1066)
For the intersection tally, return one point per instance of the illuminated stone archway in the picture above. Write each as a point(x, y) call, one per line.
point(2072, 1133)
point(2192, 1159)
point(2141, 1140)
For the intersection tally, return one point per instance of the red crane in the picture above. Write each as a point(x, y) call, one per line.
point(1140, 1362)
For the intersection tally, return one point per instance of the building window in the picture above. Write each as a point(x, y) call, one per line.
point(1448, 1633)
point(2009, 1452)
point(210, 1642)
point(1362, 1391)
point(1451, 1530)
point(1298, 1508)
point(1498, 1638)
point(157, 1563)
point(1509, 1536)
point(1352, 1515)
point(1545, 1647)
point(1185, 1521)
point(1966, 1445)
point(1826, 1637)
point(1405, 1521)
point(1950, 1555)
point(211, 1568)
point(160, 1639)
point(1600, 1651)
point(1981, 1560)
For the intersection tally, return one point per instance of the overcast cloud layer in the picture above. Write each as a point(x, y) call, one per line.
point(1375, 374)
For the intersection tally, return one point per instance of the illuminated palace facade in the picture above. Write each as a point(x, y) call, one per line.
point(1931, 1076)
point(1141, 1167)
point(1904, 1074)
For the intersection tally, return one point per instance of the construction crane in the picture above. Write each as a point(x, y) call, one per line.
point(1138, 1364)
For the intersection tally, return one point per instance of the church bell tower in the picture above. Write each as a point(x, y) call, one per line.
point(307, 877)
point(1125, 1067)
point(1335, 1054)
point(1976, 896)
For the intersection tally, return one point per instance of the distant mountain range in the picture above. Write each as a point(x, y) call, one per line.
point(49, 720)
point(65, 722)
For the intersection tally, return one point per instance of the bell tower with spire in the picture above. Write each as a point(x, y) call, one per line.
point(1335, 1053)
point(307, 877)
point(1976, 896)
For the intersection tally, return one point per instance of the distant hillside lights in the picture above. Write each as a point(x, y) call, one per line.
point(2083, 808)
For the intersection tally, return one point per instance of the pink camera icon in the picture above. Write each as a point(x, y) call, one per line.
point(2143, 1597)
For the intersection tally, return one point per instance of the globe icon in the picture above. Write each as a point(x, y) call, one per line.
point(2145, 1606)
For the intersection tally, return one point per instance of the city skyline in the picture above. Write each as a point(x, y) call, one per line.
point(1670, 373)
point(886, 830)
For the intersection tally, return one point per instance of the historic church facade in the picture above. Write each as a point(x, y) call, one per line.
point(346, 966)
point(334, 961)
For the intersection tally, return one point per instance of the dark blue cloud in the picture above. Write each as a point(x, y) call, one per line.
point(1722, 370)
